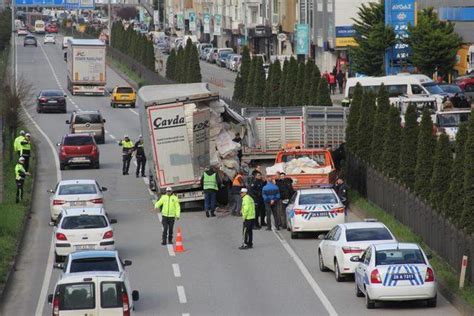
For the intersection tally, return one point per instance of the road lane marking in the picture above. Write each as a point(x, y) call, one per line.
point(49, 265)
point(134, 112)
point(171, 250)
point(112, 136)
point(307, 275)
point(51, 66)
point(185, 314)
point(176, 270)
point(181, 294)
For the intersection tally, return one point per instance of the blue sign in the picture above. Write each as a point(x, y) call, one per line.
point(39, 3)
point(456, 13)
point(345, 31)
point(302, 39)
point(398, 14)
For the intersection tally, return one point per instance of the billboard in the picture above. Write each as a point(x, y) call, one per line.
point(302, 39)
point(345, 36)
point(68, 4)
point(192, 21)
point(399, 14)
point(207, 23)
point(217, 24)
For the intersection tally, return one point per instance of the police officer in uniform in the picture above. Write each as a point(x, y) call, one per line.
point(17, 143)
point(210, 183)
point(170, 210)
point(140, 155)
point(25, 150)
point(127, 150)
point(248, 215)
point(20, 175)
point(342, 191)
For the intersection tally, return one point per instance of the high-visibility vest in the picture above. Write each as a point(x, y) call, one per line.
point(25, 149)
point(126, 144)
point(19, 171)
point(238, 181)
point(210, 182)
point(248, 207)
point(17, 142)
point(169, 205)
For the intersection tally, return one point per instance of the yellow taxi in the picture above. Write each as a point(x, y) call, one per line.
point(123, 96)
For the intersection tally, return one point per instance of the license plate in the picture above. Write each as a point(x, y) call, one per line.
point(78, 203)
point(124, 98)
point(53, 101)
point(320, 214)
point(403, 276)
point(82, 247)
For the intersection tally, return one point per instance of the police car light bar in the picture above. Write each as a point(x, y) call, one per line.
point(370, 220)
point(322, 186)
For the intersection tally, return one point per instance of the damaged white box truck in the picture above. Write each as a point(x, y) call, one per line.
point(186, 128)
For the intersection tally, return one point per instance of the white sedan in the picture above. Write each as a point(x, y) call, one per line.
point(313, 210)
point(83, 229)
point(394, 272)
point(75, 193)
point(22, 31)
point(49, 38)
point(349, 239)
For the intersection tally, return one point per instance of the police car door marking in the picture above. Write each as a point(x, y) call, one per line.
point(409, 270)
point(422, 281)
point(386, 275)
point(393, 281)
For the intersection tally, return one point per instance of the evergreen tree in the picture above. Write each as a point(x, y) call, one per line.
point(308, 77)
point(324, 98)
point(315, 79)
point(268, 85)
point(453, 203)
point(245, 66)
point(170, 65)
point(365, 125)
point(194, 70)
point(380, 124)
point(290, 82)
point(259, 83)
point(443, 160)
point(408, 149)
point(250, 85)
point(391, 148)
point(239, 88)
point(298, 98)
point(467, 219)
point(180, 66)
point(282, 90)
point(187, 60)
point(352, 133)
point(276, 79)
point(150, 55)
point(424, 155)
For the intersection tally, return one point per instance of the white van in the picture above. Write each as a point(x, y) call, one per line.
point(65, 41)
point(93, 293)
point(40, 27)
point(403, 84)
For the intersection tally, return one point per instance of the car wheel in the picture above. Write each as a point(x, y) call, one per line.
point(322, 267)
point(64, 110)
point(62, 166)
point(112, 105)
point(102, 140)
point(369, 303)
point(97, 165)
point(294, 235)
point(132, 105)
point(359, 293)
point(38, 109)
point(337, 272)
point(431, 302)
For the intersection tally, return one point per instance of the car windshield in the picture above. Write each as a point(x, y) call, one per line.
point(94, 264)
point(87, 118)
point(224, 54)
point(78, 141)
point(76, 296)
point(84, 222)
point(317, 198)
point(52, 93)
point(73, 189)
point(399, 256)
point(450, 88)
point(432, 88)
point(124, 90)
point(452, 119)
point(364, 234)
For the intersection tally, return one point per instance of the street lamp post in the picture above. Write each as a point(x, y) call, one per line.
point(109, 23)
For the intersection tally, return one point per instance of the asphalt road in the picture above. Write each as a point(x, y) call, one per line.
point(212, 277)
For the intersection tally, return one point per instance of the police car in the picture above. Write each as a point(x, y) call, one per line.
point(313, 210)
point(394, 272)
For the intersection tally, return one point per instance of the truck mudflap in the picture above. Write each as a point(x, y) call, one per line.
point(190, 196)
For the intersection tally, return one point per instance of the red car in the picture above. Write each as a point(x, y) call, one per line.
point(78, 149)
point(466, 83)
point(51, 28)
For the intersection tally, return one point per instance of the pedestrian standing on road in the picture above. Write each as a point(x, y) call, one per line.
point(127, 150)
point(248, 215)
point(334, 70)
point(238, 139)
point(332, 83)
point(25, 150)
point(271, 197)
point(342, 191)
point(140, 156)
point(170, 211)
point(285, 186)
point(237, 185)
point(255, 187)
point(210, 183)
point(340, 80)
point(17, 143)
point(20, 175)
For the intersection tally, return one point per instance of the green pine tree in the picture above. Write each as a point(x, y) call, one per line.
point(245, 66)
point(239, 88)
point(467, 218)
point(391, 148)
point(424, 155)
point(194, 70)
point(443, 160)
point(298, 98)
point(365, 125)
point(180, 66)
point(453, 203)
point(250, 85)
point(408, 149)
point(259, 83)
point(275, 84)
point(284, 75)
point(352, 132)
point(324, 98)
point(308, 77)
point(268, 85)
point(290, 82)
point(187, 60)
point(170, 65)
point(315, 79)
point(380, 123)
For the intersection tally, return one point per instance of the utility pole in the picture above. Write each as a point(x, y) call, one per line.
point(109, 23)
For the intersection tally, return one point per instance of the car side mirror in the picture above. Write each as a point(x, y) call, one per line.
point(321, 237)
point(65, 95)
point(113, 221)
point(135, 296)
point(52, 223)
point(50, 298)
point(50, 191)
point(127, 263)
point(103, 189)
point(59, 266)
point(355, 259)
point(68, 122)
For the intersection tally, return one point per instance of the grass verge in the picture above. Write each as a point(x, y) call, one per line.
point(132, 75)
point(448, 276)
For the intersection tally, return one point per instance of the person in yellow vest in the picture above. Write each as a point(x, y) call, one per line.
point(17, 143)
point(170, 211)
point(210, 183)
point(25, 150)
point(127, 151)
point(20, 175)
point(248, 215)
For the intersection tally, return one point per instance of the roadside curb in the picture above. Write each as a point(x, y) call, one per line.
point(121, 74)
point(457, 301)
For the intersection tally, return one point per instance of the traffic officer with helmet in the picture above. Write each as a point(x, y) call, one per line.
point(210, 183)
point(127, 151)
point(248, 215)
point(170, 211)
point(25, 150)
point(17, 143)
point(20, 175)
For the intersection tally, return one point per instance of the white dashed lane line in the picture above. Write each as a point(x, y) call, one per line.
point(181, 294)
point(134, 112)
point(176, 270)
point(171, 251)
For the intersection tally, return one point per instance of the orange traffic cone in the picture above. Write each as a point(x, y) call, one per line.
point(179, 242)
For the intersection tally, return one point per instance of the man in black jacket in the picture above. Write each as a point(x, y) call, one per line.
point(140, 155)
point(342, 190)
point(285, 185)
point(255, 186)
